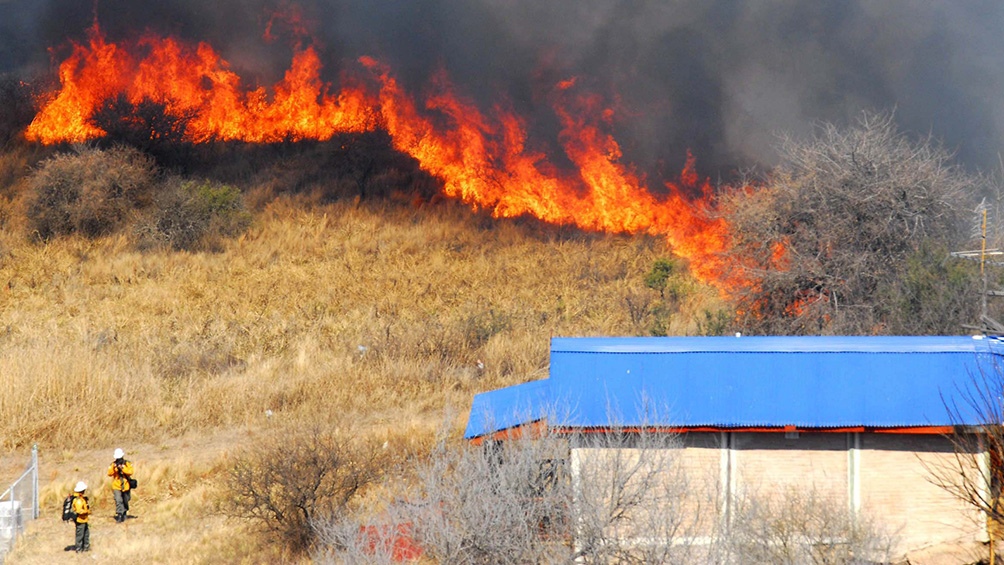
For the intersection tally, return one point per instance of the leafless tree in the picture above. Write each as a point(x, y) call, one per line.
point(976, 473)
point(618, 495)
point(289, 479)
point(531, 499)
point(629, 496)
point(850, 235)
point(799, 527)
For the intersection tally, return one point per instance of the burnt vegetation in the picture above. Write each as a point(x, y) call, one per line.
point(16, 109)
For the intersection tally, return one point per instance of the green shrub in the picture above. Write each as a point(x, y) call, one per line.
point(674, 283)
point(934, 294)
point(92, 192)
point(660, 273)
point(481, 326)
point(713, 322)
point(190, 214)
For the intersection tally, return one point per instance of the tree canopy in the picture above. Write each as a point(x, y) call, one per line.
point(850, 234)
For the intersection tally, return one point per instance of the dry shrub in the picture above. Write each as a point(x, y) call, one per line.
point(827, 239)
point(292, 477)
point(801, 527)
point(532, 500)
point(614, 498)
point(193, 214)
point(92, 192)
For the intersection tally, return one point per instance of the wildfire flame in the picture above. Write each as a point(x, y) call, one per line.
point(197, 84)
point(482, 159)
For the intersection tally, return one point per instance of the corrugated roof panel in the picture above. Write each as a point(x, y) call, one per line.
point(809, 382)
point(507, 407)
point(887, 344)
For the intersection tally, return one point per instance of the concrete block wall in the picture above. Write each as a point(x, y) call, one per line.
point(883, 477)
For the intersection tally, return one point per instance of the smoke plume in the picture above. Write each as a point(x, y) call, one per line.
point(721, 78)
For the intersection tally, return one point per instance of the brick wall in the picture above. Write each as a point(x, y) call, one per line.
point(884, 476)
point(896, 489)
point(769, 462)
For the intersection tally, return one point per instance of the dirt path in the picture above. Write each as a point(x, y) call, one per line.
point(172, 511)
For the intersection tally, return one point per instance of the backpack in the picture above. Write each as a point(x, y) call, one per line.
point(68, 513)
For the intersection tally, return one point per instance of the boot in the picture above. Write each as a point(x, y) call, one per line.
point(119, 518)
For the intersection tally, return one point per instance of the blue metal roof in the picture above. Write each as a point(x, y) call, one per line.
point(807, 382)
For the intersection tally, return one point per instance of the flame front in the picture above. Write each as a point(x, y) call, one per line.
point(482, 159)
point(197, 85)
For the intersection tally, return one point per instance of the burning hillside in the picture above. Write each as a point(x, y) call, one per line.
point(482, 158)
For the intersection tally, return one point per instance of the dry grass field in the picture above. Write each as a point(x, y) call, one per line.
point(378, 319)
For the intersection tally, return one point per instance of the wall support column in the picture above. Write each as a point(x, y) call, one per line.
point(854, 474)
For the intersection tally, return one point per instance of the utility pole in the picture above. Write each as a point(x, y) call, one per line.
point(988, 325)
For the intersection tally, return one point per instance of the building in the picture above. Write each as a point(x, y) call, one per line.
point(862, 420)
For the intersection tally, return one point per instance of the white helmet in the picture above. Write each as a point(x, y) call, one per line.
point(81, 487)
point(119, 454)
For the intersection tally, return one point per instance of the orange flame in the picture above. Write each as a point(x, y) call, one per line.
point(481, 159)
point(198, 85)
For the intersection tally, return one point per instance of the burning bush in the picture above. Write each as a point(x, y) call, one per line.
point(91, 191)
point(147, 126)
point(830, 238)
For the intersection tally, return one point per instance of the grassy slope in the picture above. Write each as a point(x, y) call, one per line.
point(371, 318)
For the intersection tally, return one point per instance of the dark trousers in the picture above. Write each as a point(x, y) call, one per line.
point(122, 501)
point(83, 537)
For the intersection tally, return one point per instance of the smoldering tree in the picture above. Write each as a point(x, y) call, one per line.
point(16, 109)
point(148, 127)
point(850, 235)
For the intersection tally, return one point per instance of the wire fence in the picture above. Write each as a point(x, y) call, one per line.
point(18, 505)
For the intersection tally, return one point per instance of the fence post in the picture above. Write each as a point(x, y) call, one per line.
point(34, 481)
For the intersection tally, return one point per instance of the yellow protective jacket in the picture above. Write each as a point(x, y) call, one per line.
point(119, 481)
point(81, 507)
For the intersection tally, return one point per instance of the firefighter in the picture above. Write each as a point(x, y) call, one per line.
point(121, 471)
point(82, 538)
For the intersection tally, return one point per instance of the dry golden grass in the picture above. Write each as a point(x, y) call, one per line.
point(373, 317)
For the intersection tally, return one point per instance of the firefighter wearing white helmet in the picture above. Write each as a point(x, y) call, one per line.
point(121, 471)
point(82, 537)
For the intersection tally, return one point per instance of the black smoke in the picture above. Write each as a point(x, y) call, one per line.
point(721, 78)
